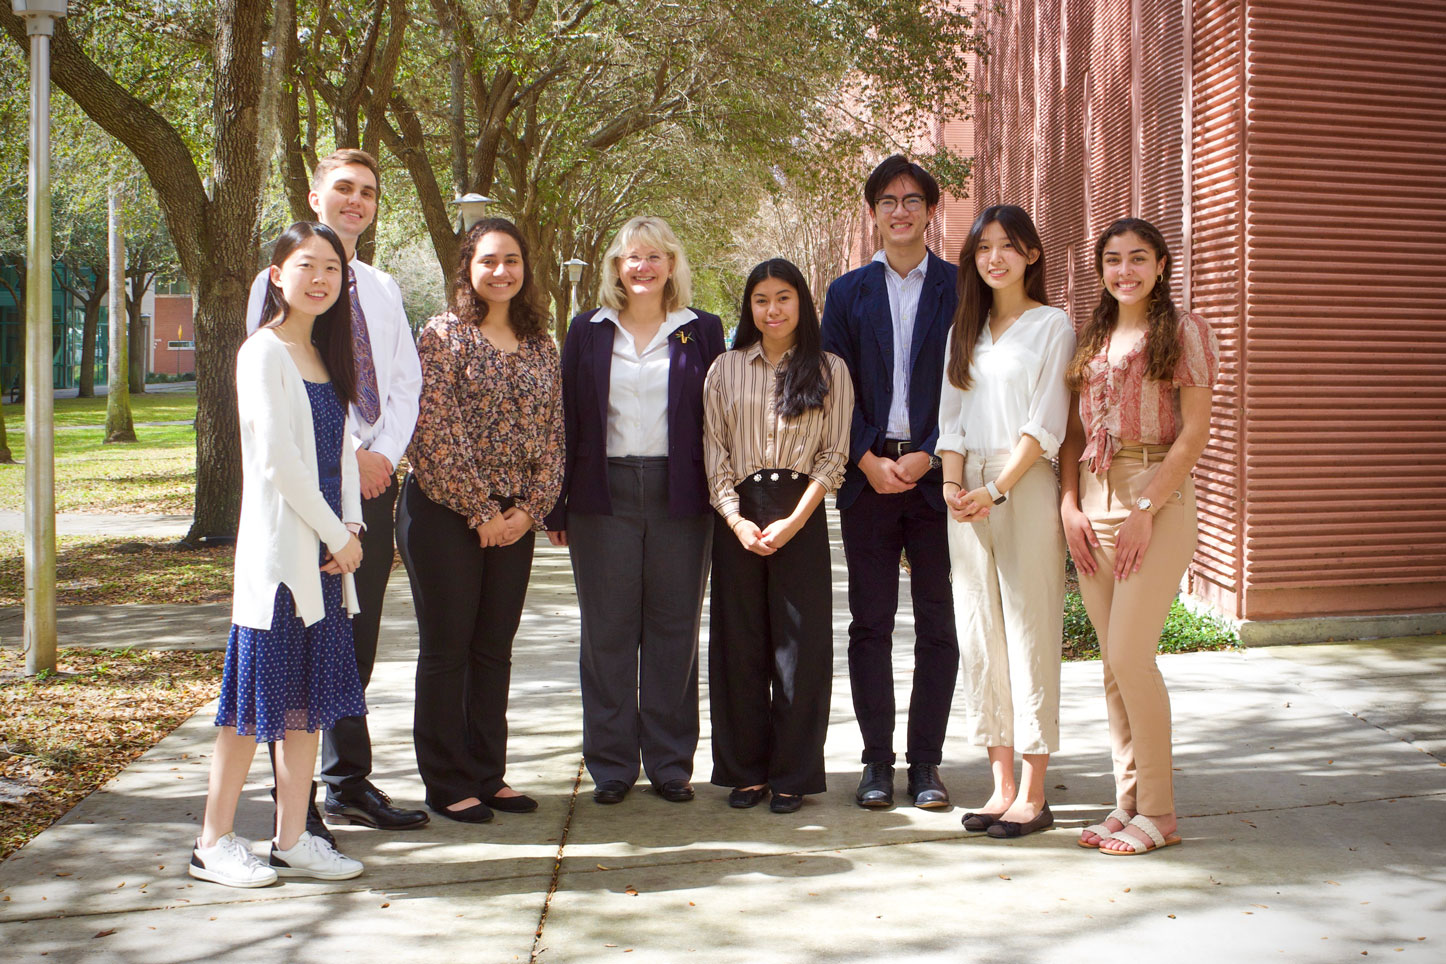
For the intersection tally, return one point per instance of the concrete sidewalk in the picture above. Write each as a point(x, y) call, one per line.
point(1311, 781)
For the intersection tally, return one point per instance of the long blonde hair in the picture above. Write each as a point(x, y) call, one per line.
point(655, 232)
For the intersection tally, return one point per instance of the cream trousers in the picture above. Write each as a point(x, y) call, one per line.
point(1008, 580)
point(1128, 616)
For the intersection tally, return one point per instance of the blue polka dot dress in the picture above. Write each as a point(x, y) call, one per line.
point(293, 676)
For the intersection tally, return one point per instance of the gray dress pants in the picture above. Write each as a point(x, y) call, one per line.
point(640, 576)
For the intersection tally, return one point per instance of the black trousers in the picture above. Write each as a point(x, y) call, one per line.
point(469, 603)
point(346, 749)
point(876, 529)
point(770, 647)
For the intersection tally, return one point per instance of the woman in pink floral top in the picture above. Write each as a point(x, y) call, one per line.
point(1143, 372)
point(486, 467)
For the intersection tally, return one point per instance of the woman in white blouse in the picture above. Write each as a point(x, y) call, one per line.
point(1002, 415)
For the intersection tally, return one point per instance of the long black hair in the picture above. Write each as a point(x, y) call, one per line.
point(331, 333)
point(803, 383)
point(523, 314)
point(976, 298)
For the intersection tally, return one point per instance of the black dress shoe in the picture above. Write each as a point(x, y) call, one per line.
point(674, 791)
point(1008, 828)
point(876, 789)
point(477, 813)
point(740, 799)
point(314, 824)
point(521, 803)
point(372, 808)
point(786, 802)
point(979, 822)
point(610, 791)
point(925, 788)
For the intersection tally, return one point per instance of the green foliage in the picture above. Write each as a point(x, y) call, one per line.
point(1183, 632)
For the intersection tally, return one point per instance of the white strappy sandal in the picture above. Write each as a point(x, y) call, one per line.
point(1158, 840)
point(1102, 830)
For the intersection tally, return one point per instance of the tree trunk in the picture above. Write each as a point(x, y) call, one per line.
point(93, 300)
point(118, 424)
point(137, 349)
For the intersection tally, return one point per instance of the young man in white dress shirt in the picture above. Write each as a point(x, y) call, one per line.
point(345, 188)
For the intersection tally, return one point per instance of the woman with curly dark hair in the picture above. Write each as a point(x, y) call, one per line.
point(1143, 372)
point(486, 467)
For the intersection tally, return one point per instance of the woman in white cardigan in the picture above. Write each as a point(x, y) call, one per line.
point(290, 667)
point(1002, 415)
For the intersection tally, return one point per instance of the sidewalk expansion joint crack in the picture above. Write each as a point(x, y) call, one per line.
point(537, 947)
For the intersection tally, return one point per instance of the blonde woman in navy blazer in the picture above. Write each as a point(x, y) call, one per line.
point(634, 510)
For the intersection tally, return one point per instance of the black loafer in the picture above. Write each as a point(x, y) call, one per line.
point(674, 791)
point(477, 813)
point(372, 808)
point(926, 789)
point(786, 802)
point(740, 799)
point(979, 822)
point(876, 789)
point(610, 791)
point(521, 803)
point(1007, 829)
point(314, 824)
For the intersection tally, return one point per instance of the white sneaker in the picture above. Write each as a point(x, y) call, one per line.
point(313, 857)
point(230, 862)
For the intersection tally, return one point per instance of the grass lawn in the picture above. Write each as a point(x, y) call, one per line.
point(63, 735)
point(157, 474)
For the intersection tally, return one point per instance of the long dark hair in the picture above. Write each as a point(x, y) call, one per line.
point(803, 383)
point(975, 295)
point(1162, 317)
point(523, 314)
point(331, 332)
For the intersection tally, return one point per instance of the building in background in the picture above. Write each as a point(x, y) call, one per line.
point(169, 314)
point(1294, 154)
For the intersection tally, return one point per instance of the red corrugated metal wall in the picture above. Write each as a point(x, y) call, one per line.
point(1309, 232)
point(1345, 340)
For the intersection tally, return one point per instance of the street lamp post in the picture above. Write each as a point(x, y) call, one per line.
point(573, 267)
point(40, 17)
point(474, 208)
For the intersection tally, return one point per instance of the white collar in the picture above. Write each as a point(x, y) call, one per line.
point(671, 322)
point(920, 269)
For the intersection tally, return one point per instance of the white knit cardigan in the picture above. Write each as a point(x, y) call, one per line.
point(284, 516)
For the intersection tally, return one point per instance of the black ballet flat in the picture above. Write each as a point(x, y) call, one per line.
point(521, 803)
point(786, 802)
point(477, 813)
point(740, 799)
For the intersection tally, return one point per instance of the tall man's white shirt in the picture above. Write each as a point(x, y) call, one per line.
point(394, 354)
point(904, 291)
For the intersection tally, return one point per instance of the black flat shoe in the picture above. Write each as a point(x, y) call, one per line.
point(610, 791)
point(786, 802)
point(1008, 829)
point(521, 803)
point(477, 813)
point(740, 799)
point(979, 822)
point(674, 791)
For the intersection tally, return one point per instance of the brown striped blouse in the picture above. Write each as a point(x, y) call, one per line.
point(743, 431)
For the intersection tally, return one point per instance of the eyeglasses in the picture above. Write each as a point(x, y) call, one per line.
point(913, 203)
point(652, 260)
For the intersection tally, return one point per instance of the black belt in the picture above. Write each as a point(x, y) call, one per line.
point(893, 448)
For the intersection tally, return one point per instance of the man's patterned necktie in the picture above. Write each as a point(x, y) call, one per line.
point(368, 401)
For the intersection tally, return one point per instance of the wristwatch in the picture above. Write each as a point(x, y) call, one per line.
point(935, 462)
point(1145, 505)
point(999, 497)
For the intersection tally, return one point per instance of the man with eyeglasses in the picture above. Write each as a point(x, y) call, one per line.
point(888, 320)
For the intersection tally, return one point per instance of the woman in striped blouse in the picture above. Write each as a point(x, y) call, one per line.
point(776, 425)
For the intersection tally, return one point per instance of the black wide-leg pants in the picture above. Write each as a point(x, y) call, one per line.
point(770, 646)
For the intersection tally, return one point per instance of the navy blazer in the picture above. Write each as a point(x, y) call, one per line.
point(858, 327)
point(587, 359)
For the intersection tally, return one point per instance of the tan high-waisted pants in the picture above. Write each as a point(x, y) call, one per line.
point(1007, 573)
point(1128, 615)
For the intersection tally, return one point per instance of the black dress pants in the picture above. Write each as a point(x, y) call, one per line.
point(469, 603)
point(346, 749)
point(770, 646)
point(876, 529)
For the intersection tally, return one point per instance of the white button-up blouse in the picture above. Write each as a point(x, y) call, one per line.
point(1017, 388)
point(638, 387)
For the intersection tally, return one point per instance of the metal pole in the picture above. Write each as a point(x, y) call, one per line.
point(40, 632)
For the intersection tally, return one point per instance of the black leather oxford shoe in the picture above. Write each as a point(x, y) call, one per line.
point(372, 808)
point(876, 789)
point(610, 791)
point(925, 788)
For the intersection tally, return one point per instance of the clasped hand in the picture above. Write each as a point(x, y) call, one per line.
point(769, 539)
point(504, 528)
point(345, 559)
point(970, 506)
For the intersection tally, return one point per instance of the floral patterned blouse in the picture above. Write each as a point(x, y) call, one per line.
point(1121, 403)
point(490, 422)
